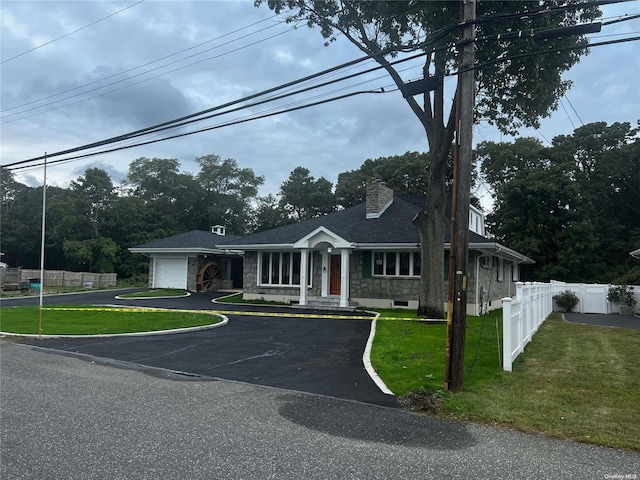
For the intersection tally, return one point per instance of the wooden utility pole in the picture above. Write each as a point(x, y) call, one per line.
point(459, 244)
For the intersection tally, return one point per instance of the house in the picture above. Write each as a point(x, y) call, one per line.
point(366, 255)
point(193, 261)
point(635, 253)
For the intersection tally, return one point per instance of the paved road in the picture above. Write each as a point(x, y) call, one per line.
point(613, 320)
point(66, 418)
point(322, 356)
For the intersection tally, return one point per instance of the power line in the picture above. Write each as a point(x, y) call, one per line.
point(567, 113)
point(144, 65)
point(71, 33)
point(151, 62)
point(135, 83)
point(215, 127)
point(574, 110)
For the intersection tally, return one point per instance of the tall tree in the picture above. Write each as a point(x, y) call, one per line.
point(228, 191)
point(267, 214)
point(95, 185)
point(304, 197)
point(511, 92)
point(573, 207)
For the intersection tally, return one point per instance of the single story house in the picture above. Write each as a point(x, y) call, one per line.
point(193, 261)
point(366, 255)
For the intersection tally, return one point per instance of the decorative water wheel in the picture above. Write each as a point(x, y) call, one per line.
point(207, 275)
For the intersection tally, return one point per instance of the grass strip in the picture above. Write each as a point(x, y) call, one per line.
point(92, 320)
point(578, 382)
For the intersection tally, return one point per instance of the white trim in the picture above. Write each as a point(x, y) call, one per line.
point(388, 246)
point(411, 274)
point(280, 254)
point(322, 235)
point(344, 278)
point(175, 251)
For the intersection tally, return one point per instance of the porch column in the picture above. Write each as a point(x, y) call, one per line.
point(344, 277)
point(303, 276)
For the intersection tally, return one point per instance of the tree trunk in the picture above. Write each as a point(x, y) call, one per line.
point(431, 225)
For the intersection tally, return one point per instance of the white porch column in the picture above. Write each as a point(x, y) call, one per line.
point(303, 276)
point(344, 277)
point(324, 288)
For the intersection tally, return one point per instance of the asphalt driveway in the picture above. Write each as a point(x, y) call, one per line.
point(314, 355)
point(612, 320)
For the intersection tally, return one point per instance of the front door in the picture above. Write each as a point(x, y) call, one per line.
point(334, 275)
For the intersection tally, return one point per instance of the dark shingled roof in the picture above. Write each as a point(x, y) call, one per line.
point(395, 225)
point(190, 240)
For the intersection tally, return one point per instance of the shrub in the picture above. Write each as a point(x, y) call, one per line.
point(622, 294)
point(566, 300)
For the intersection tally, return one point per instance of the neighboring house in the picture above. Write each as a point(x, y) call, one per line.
point(193, 261)
point(635, 253)
point(367, 255)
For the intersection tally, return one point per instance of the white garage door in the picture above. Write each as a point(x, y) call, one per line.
point(170, 273)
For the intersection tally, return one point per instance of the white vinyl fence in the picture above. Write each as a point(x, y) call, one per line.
point(592, 297)
point(533, 303)
point(522, 316)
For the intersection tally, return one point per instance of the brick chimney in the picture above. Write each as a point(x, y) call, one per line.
point(378, 198)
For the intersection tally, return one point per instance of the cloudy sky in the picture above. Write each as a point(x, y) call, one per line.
point(73, 73)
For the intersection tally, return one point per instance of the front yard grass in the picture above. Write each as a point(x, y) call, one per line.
point(578, 382)
point(90, 320)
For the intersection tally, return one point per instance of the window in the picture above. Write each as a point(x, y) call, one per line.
point(500, 270)
point(515, 272)
point(282, 268)
point(396, 264)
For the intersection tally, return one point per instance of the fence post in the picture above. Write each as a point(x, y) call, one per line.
point(506, 334)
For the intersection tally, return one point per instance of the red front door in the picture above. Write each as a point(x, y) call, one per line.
point(334, 275)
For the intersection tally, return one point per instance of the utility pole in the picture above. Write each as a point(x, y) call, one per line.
point(459, 244)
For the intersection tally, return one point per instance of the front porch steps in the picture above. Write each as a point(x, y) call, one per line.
point(328, 303)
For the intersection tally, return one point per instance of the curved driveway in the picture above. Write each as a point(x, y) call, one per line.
point(321, 356)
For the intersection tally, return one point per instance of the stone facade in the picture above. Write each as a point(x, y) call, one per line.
point(253, 291)
point(388, 292)
point(381, 292)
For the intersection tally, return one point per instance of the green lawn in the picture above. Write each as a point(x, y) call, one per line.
point(89, 320)
point(573, 381)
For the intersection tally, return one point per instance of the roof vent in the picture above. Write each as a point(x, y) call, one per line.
point(378, 198)
point(219, 230)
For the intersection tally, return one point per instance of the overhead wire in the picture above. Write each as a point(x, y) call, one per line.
point(241, 100)
point(71, 33)
point(102, 94)
point(153, 61)
point(175, 122)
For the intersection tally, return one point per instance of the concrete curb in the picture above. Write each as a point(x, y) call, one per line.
point(366, 359)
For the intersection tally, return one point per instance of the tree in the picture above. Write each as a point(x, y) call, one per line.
point(304, 197)
point(573, 207)
point(153, 178)
point(228, 191)
point(96, 185)
point(404, 174)
point(512, 92)
point(268, 214)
